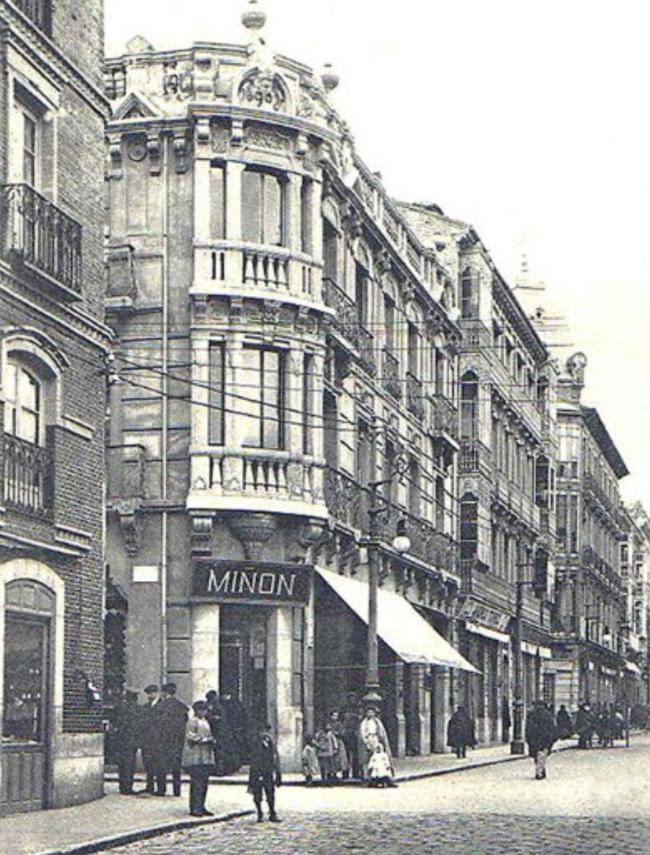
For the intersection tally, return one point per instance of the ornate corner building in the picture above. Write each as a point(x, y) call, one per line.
point(283, 338)
point(53, 348)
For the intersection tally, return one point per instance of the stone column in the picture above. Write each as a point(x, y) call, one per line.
point(294, 212)
point(285, 718)
point(441, 681)
point(204, 665)
point(400, 718)
point(422, 699)
point(234, 266)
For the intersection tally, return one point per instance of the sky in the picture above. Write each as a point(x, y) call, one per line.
point(528, 119)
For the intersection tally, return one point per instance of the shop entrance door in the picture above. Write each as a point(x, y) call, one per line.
point(242, 660)
point(24, 723)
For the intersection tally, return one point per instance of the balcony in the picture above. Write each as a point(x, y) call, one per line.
point(39, 237)
point(27, 483)
point(414, 396)
point(390, 374)
point(253, 479)
point(39, 13)
point(469, 455)
point(346, 499)
point(348, 326)
point(445, 416)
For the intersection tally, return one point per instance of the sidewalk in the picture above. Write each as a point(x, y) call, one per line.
point(117, 819)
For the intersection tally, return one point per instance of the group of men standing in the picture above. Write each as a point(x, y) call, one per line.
point(158, 729)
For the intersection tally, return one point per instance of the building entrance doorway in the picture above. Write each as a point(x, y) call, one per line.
point(243, 661)
point(25, 726)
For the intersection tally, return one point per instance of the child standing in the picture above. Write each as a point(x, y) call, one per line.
point(326, 746)
point(310, 766)
point(380, 771)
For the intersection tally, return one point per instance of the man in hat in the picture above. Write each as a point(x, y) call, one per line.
point(173, 721)
point(124, 729)
point(540, 736)
point(151, 743)
point(264, 773)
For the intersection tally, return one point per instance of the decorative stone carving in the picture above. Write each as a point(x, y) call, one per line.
point(181, 151)
point(575, 367)
point(237, 132)
point(253, 530)
point(178, 84)
point(201, 535)
point(305, 106)
point(383, 262)
point(130, 524)
point(266, 138)
point(220, 138)
point(270, 312)
point(153, 149)
point(264, 89)
point(203, 134)
point(137, 150)
point(115, 156)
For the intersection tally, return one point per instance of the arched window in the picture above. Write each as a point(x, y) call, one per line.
point(469, 293)
point(468, 527)
point(469, 405)
point(23, 400)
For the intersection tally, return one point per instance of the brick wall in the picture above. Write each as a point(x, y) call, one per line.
point(78, 29)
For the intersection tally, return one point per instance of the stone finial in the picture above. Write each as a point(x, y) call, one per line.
point(329, 79)
point(253, 18)
point(575, 368)
point(138, 44)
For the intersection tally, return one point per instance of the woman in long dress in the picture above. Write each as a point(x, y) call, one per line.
point(371, 733)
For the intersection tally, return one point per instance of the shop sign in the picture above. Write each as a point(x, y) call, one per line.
point(479, 613)
point(252, 582)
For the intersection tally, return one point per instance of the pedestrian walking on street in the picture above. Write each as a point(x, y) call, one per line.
point(173, 723)
point(264, 774)
point(506, 721)
point(310, 767)
point(380, 770)
point(460, 732)
point(350, 720)
point(584, 725)
point(326, 748)
point(150, 742)
point(125, 729)
point(540, 736)
point(198, 757)
point(371, 733)
point(563, 722)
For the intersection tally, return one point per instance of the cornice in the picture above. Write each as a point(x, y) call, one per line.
point(18, 30)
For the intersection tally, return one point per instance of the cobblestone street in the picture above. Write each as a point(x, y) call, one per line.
point(595, 801)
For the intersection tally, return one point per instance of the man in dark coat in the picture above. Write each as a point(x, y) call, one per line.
point(264, 775)
point(150, 742)
point(350, 720)
point(125, 733)
point(173, 721)
point(540, 736)
point(460, 732)
point(584, 726)
point(563, 723)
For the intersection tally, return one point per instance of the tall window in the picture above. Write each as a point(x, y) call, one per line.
point(414, 486)
point(216, 394)
point(440, 371)
point(22, 404)
point(469, 406)
point(361, 295)
point(365, 453)
point(440, 503)
point(389, 322)
point(469, 294)
point(262, 208)
point(330, 432)
point(306, 218)
point(262, 419)
point(307, 386)
point(468, 527)
point(218, 202)
point(413, 349)
point(30, 148)
point(330, 251)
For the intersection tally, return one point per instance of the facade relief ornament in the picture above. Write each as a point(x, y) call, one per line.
point(264, 89)
point(266, 138)
point(181, 151)
point(220, 138)
point(575, 367)
point(178, 84)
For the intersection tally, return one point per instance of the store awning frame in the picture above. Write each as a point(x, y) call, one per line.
point(487, 632)
point(399, 625)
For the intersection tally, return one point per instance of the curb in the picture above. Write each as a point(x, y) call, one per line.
point(127, 837)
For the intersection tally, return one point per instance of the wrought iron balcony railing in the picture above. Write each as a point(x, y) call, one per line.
point(390, 374)
point(37, 234)
point(469, 455)
point(38, 11)
point(27, 476)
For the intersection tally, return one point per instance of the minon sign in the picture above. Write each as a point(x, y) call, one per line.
point(252, 582)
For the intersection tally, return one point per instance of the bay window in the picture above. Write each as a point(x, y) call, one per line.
point(262, 422)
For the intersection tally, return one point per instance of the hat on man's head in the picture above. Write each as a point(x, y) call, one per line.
point(169, 688)
point(152, 687)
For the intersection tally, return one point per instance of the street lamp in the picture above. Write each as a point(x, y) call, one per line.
point(401, 543)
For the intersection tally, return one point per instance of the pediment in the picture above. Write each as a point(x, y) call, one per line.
point(135, 106)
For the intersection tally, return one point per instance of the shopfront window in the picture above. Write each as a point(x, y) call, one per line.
point(25, 669)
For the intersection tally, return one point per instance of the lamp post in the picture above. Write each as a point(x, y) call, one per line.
point(402, 544)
